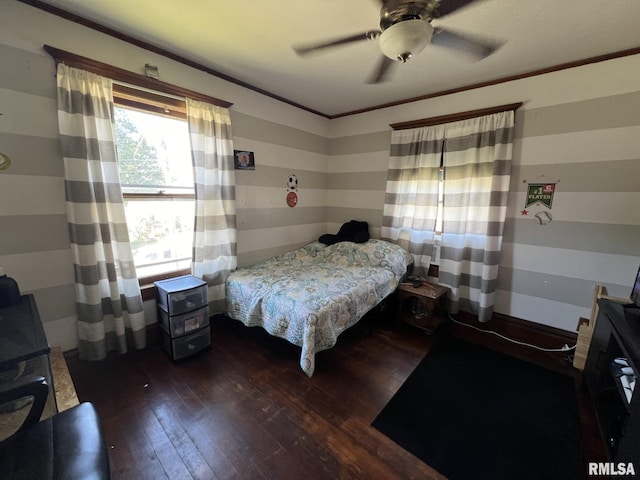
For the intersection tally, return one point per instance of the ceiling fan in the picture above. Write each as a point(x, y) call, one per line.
point(406, 29)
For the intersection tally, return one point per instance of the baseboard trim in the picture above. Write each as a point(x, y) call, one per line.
point(543, 336)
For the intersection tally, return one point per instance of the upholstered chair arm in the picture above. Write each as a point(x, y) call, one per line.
point(28, 386)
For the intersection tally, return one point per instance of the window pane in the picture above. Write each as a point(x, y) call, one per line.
point(153, 153)
point(161, 233)
point(440, 210)
point(154, 157)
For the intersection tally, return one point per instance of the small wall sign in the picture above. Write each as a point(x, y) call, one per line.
point(243, 160)
point(540, 194)
point(540, 197)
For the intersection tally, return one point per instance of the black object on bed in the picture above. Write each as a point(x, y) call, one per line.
point(352, 231)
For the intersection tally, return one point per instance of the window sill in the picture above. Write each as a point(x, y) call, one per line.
point(148, 289)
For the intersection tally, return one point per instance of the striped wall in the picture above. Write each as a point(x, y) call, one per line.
point(34, 243)
point(581, 126)
point(266, 225)
point(589, 145)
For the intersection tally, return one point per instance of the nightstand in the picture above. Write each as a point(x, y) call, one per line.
point(422, 306)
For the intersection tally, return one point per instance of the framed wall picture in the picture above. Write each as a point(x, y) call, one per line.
point(244, 160)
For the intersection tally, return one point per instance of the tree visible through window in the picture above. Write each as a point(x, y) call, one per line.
point(154, 161)
point(137, 160)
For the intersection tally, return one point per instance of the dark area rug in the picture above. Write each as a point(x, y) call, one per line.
point(472, 413)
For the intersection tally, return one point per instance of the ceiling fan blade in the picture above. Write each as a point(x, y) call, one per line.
point(307, 49)
point(476, 47)
point(382, 71)
point(447, 7)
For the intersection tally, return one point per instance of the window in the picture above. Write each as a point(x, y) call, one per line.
point(154, 161)
point(437, 239)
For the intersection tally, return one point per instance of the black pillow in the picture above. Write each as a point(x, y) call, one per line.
point(353, 231)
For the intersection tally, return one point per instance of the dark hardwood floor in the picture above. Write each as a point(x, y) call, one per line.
point(245, 410)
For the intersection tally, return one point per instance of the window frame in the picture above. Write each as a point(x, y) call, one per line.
point(438, 120)
point(159, 96)
point(149, 102)
point(156, 104)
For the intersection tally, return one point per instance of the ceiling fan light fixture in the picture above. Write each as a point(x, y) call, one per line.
point(405, 39)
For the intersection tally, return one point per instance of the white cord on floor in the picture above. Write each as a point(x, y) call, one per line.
point(567, 349)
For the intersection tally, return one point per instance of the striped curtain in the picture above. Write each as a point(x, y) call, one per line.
point(108, 300)
point(215, 242)
point(411, 200)
point(477, 162)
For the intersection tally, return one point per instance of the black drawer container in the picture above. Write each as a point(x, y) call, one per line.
point(186, 345)
point(183, 315)
point(181, 294)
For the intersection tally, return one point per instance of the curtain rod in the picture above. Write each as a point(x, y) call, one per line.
point(124, 76)
point(454, 117)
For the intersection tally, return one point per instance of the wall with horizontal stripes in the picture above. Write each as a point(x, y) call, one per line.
point(579, 127)
point(266, 225)
point(34, 240)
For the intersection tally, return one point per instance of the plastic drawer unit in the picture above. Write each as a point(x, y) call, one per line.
point(183, 315)
point(184, 323)
point(181, 294)
point(187, 345)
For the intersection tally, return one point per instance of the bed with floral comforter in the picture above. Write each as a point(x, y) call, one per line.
point(311, 295)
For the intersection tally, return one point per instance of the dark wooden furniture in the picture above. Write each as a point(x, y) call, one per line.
point(616, 343)
point(68, 445)
point(421, 306)
point(24, 347)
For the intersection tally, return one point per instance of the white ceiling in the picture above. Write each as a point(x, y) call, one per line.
point(251, 40)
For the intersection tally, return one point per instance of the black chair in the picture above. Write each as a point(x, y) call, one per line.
point(69, 445)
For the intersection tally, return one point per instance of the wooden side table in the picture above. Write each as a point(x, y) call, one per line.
point(420, 306)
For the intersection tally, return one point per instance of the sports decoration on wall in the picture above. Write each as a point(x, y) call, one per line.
point(540, 194)
point(540, 198)
point(543, 218)
point(5, 161)
point(292, 190)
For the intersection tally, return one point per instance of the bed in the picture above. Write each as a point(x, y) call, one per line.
point(311, 295)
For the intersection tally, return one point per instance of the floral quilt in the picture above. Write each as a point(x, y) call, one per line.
point(311, 295)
